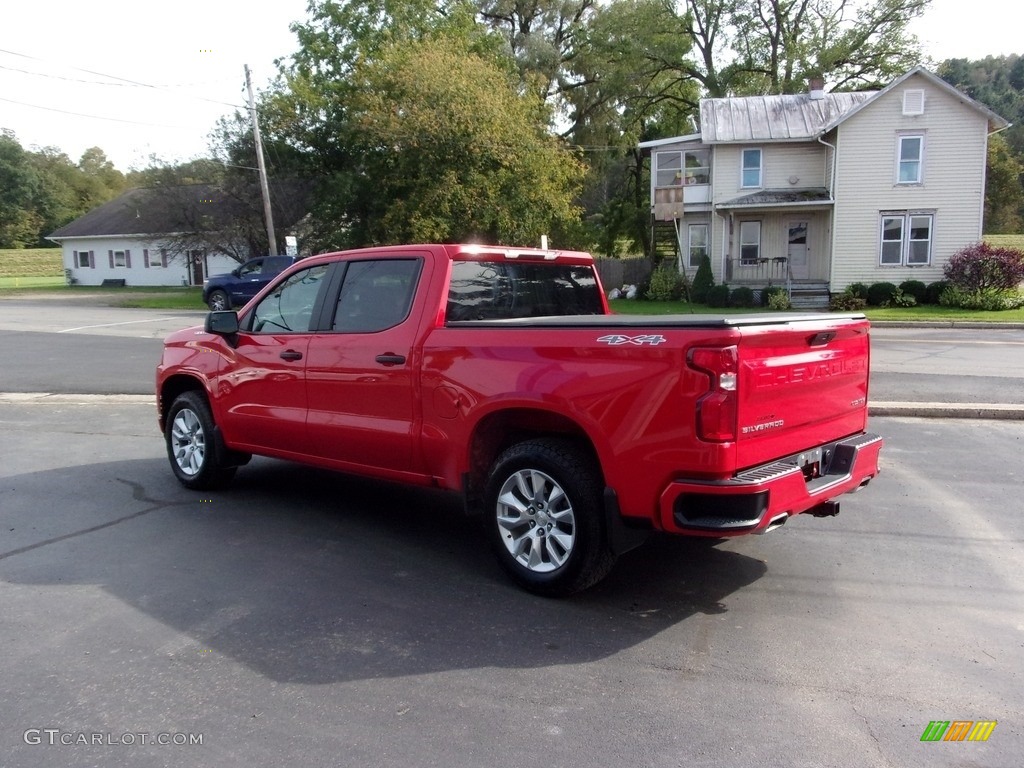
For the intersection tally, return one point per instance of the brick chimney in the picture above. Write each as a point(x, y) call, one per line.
point(816, 88)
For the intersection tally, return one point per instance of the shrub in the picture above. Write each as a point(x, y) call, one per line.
point(778, 299)
point(901, 299)
point(985, 268)
point(880, 293)
point(984, 300)
point(775, 297)
point(915, 288)
point(933, 293)
point(846, 301)
point(741, 297)
point(860, 290)
point(703, 281)
point(718, 296)
point(666, 284)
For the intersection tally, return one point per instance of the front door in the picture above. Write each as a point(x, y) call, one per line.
point(196, 259)
point(797, 253)
point(262, 384)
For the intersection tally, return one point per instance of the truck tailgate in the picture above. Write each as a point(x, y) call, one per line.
point(802, 383)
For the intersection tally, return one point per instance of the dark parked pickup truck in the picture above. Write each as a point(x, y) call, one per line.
point(235, 288)
point(500, 374)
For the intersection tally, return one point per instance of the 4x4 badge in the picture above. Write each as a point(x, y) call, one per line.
point(617, 340)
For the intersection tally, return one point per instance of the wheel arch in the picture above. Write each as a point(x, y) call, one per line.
point(499, 430)
point(171, 388)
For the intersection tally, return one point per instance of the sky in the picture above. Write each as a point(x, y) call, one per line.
point(141, 79)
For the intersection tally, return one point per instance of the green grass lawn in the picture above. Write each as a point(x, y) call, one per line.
point(32, 282)
point(31, 262)
point(925, 313)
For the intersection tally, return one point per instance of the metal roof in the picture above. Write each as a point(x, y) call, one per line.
point(774, 118)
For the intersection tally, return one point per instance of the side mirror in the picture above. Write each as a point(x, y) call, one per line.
point(237, 271)
point(222, 323)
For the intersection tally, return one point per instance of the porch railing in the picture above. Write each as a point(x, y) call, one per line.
point(773, 271)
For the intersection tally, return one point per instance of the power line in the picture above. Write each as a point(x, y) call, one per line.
point(126, 80)
point(101, 82)
point(94, 117)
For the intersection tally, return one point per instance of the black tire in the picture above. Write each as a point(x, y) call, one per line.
point(543, 513)
point(218, 301)
point(197, 460)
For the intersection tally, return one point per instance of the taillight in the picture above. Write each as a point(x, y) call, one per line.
point(716, 411)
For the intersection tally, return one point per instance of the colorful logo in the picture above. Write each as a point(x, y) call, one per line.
point(958, 730)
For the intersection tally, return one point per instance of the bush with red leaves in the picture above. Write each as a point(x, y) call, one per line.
point(983, 268)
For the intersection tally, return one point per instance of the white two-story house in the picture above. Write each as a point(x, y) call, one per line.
point(820, 190)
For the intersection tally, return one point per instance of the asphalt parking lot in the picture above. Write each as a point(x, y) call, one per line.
point(309, 618)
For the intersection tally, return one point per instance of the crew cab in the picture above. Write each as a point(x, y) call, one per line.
point(235, 288)
point(500, 374)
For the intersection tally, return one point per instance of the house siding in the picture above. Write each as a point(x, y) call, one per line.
point(953, 182)
point(804, 161)
point(138, 273)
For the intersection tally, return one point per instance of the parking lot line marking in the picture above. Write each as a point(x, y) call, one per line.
point(109, 325)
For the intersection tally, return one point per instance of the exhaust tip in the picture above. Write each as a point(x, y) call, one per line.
point(825, 509)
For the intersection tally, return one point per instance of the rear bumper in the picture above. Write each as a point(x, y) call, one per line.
point(766, 496)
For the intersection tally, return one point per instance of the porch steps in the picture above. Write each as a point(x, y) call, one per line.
point(809, 296)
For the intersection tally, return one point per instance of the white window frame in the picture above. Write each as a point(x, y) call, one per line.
point(663, 164)
point(120, 260)
point(745, 169)
point(909, 221)
point(84, 259)
point(155, 258)
point(682, 166)
point(697, 166)
point(701, 250)
point(902, 161)
point(746, 240)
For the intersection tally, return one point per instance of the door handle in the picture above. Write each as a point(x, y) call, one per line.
point(390, 359)
point(291, 354)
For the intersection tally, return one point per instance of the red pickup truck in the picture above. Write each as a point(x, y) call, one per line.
point(500, 373)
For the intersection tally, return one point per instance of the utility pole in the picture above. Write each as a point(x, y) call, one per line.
point(264, 188)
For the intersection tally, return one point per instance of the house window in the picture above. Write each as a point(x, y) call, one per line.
point(911, 149)
point(669, 169)
point(119, 259)
point(154, 258)
point(690, 167)
point(82, 259)
point(750, 243)
point(698, 244)
point(906, 239)
point(697, 166)
point(751, 176)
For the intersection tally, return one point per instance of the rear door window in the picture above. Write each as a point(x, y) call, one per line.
point(375, 294)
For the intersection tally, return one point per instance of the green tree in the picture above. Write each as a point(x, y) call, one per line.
point(1004, 196)
point(19, 222)
point(452, 151)
point(775, 46)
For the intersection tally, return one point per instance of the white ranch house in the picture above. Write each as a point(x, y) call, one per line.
point(156, 236)
point(131, 239)
point(820, 190)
